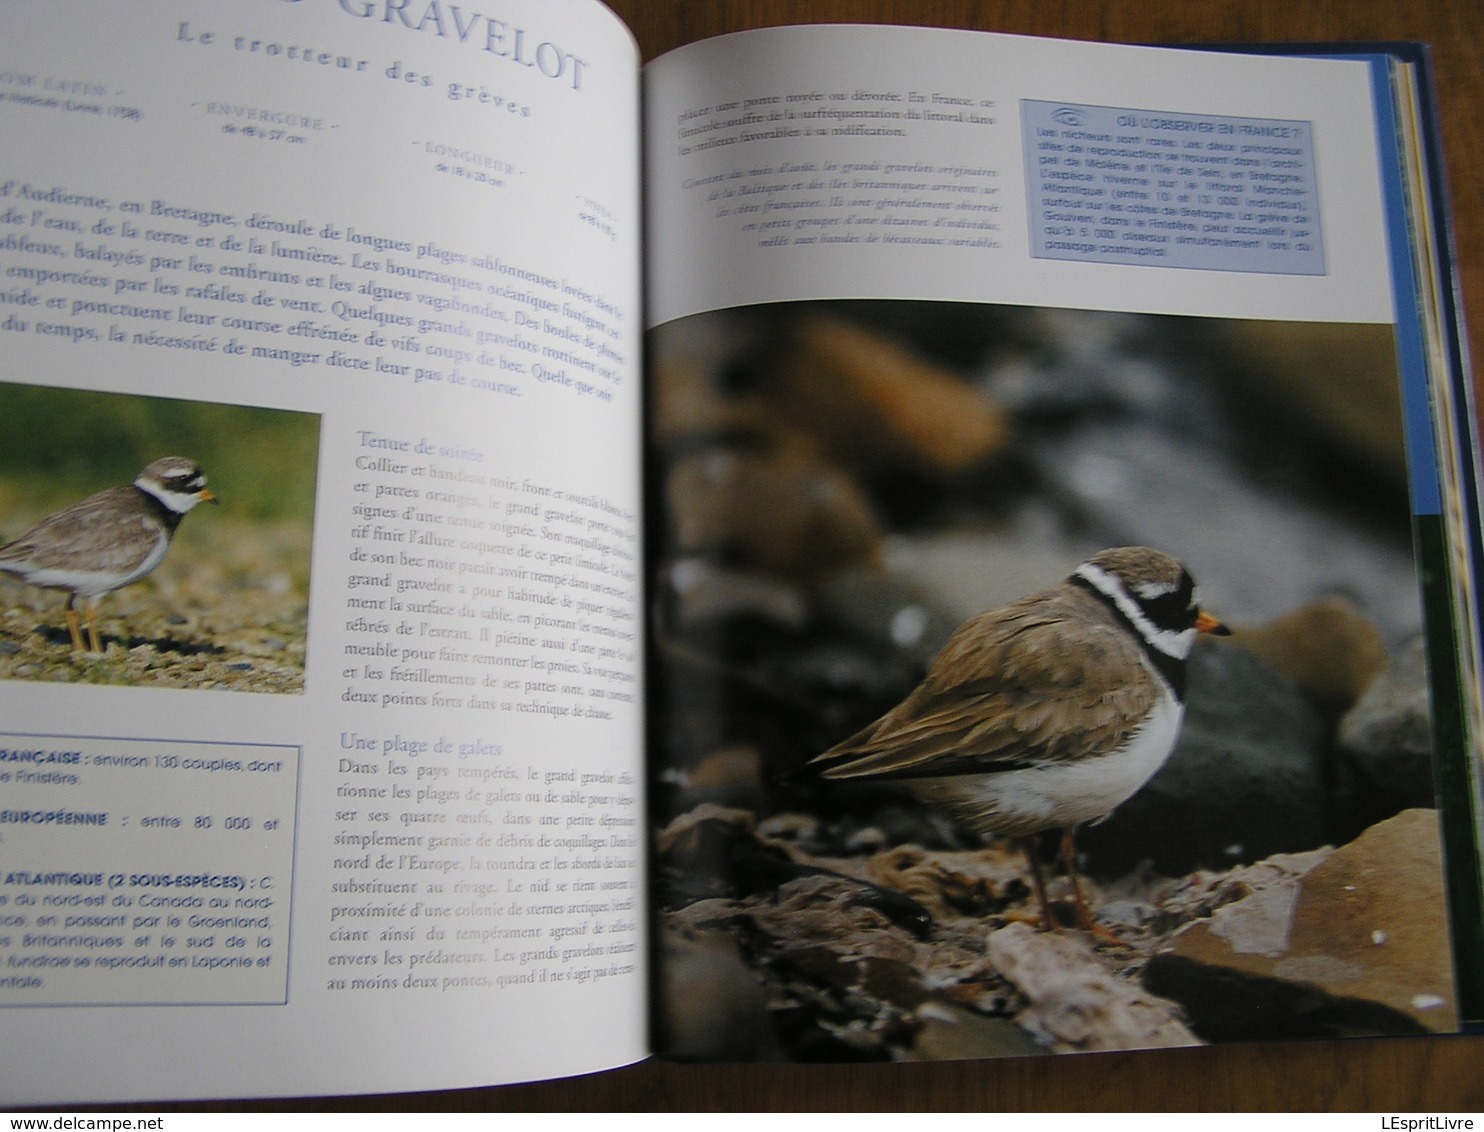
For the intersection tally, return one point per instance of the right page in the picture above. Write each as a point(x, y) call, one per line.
point(971, 355)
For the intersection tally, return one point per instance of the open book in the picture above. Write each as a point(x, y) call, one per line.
point(568, 505)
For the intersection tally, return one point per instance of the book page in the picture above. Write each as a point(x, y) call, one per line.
point(799, 153)
point(989, 375)
point(337, 789)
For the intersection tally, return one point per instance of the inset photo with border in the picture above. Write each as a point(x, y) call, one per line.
point(154, 542)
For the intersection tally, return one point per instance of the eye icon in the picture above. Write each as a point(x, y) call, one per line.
point(1069, 116)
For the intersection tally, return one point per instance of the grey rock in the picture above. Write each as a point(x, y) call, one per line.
point(1247, 778)
point(1074, 1003)
point(951, 1033)
point(1386, 738)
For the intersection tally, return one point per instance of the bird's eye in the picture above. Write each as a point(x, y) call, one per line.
point(1176, 608)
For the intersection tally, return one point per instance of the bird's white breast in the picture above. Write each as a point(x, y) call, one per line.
point(1059, 795)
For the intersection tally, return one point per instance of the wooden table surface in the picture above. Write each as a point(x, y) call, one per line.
point(1374, 1075)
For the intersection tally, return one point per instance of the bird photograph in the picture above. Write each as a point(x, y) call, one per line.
point(104, 580)
point(108, 540)
point(925, 622)
point(1047, 713)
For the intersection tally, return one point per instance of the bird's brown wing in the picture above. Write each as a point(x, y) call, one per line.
point(77, 529)
point(1043, 680)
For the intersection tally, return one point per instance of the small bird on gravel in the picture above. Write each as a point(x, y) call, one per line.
point(107, 540)
point(1047, 713)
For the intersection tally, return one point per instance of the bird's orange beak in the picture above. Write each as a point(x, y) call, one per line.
point(206, 495)
point(1205, 623)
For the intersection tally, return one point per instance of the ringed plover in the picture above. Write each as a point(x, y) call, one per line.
point(1049, 712)
point(107, 540)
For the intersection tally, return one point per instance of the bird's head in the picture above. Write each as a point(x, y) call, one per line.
point(176, 482)
point(1154, 592)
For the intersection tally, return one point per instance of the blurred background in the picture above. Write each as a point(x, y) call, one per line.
point(58, 445)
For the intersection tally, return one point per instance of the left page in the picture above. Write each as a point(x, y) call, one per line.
point(337, 789)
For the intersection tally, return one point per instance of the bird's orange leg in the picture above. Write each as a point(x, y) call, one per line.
point(1028, 846)
point(93, 627)
point(1084, 915)
point(1069, 862)
point(72, 626)
point(1049, 919)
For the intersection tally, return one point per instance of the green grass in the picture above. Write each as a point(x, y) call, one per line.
point(58, 445)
